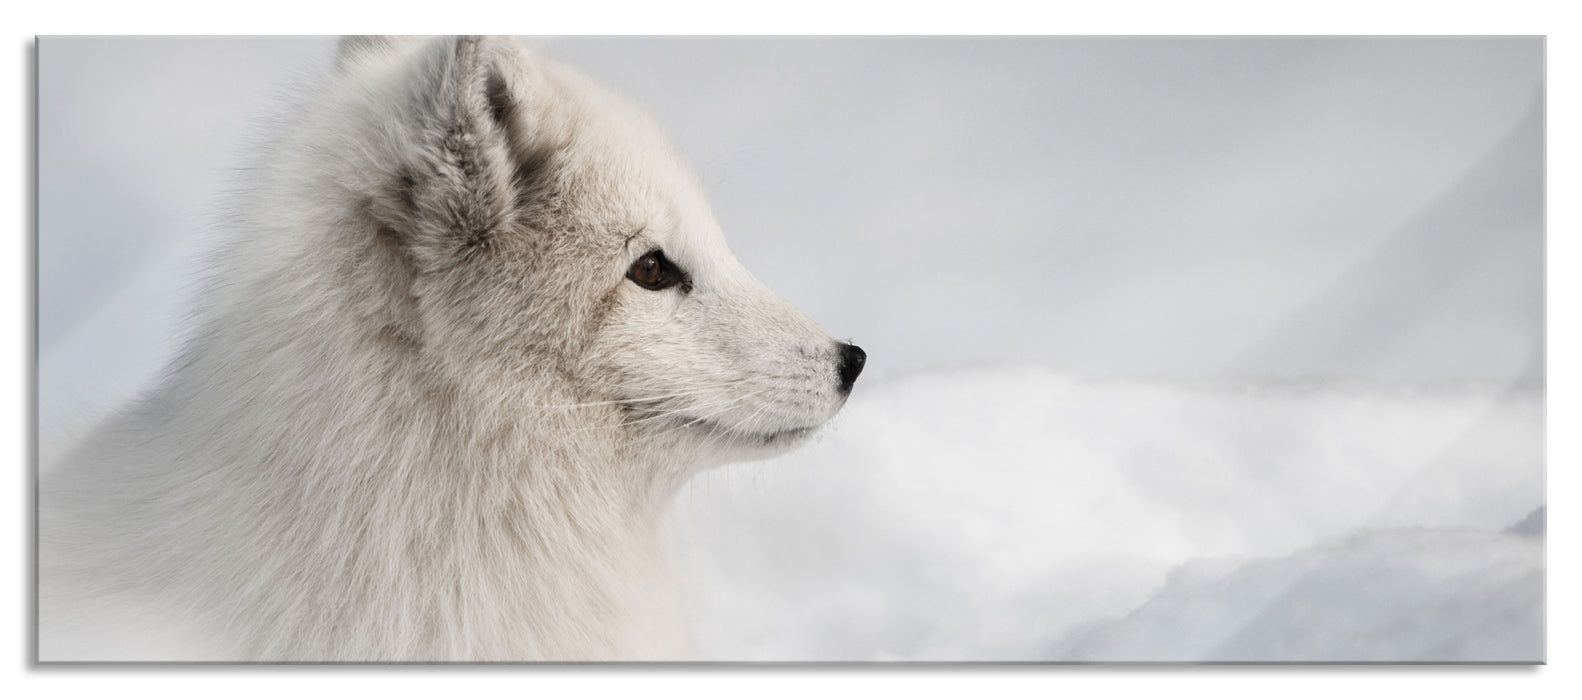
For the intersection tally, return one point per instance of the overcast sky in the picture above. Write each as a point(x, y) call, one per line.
point(1188, 208)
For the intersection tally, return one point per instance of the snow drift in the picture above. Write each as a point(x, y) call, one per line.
point(1017, 514)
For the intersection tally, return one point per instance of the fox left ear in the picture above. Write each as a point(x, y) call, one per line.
point(475, 163)
point(351, 49)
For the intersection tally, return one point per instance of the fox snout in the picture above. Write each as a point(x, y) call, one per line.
point(852, 358)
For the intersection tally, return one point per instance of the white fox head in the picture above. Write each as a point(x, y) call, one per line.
point(476, 324)
point(521, 233)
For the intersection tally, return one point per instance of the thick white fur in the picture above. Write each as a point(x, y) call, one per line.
point(424, 415)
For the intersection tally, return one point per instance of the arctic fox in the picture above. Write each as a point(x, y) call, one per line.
point(476, 327)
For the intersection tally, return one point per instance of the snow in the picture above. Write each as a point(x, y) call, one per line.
point(1018, 514)
point(1442, 595)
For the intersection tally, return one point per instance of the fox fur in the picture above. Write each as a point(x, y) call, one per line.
point(425, 413)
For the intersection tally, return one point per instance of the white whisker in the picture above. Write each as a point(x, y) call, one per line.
point(658, 397)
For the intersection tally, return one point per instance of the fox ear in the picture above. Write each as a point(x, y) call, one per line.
point(351, 49)
point(467, 87)
point(472, 164)
point(488, 90)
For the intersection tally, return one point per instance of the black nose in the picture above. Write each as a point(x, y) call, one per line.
point(852, 359)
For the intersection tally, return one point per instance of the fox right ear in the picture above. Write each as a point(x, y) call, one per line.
point(473, 161)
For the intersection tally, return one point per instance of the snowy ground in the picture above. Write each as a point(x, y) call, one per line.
point(1017, 514)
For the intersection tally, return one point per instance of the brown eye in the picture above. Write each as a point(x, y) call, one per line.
point(654, 271)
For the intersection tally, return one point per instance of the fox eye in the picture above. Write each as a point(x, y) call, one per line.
point(655, 271)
